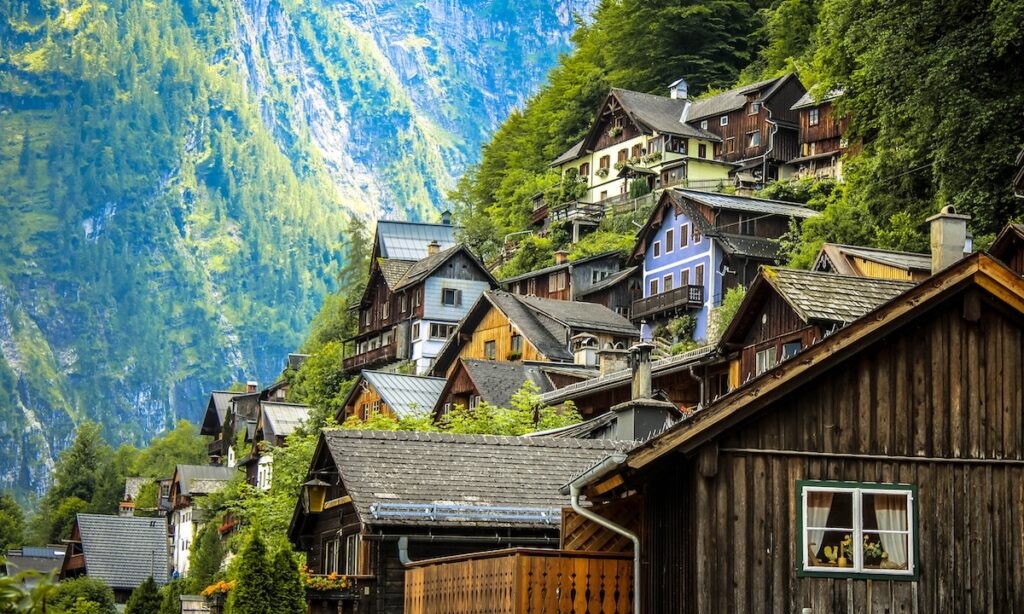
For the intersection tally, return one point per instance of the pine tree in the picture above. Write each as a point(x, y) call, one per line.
point(145, 599)
point(254, 591)
point(289, 594)
point(205, 558)
point(170, 597)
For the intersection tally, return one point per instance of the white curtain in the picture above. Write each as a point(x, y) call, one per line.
point(891, 513)
point(819, 504)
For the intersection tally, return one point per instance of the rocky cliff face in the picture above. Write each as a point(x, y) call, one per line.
point(178, 177)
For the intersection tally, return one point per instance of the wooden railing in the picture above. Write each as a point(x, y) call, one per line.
point(577, 211)
point(215, 448)
point(683, 297)
point(385, 353)
point(521, 581)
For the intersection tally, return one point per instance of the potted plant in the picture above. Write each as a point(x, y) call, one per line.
point(602, 172)
point(217, 593)
point(614, 131)
point(620, 164)
point(327, 586)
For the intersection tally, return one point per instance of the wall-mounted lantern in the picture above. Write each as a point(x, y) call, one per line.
point(314, 492)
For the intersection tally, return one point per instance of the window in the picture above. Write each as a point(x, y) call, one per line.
point(747, 224)
point(531, 286)
point(604, 194)
point(698, 275)
point(791, 349)
point(730, 145)
point(657, 249)
point(670, 240)
point(450, 297)
point(622, 156)
point(813, 117)
point(605, 162)
point(754, 139)
point(417, 298)
point(702, 150)
point(597, 275)
point(385, 310)
point(585, 170)
point(696, 236)
point(563, 277)
point(723, 120)
point(352, 546)
point(667, 282)
point(552, 283)
point(330, 550)
point(404, 303)
point(635, 151)
point(852, 529)
point(441, 331)
point(765, 359)
point(654, 287)
point(490, 350)
point(684, 277)
point(416, 331)
point(755, 108)
point(517, 344)
point(704, 125)
point(684, 236)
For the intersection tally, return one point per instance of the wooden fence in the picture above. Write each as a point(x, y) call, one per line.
point(521, 581)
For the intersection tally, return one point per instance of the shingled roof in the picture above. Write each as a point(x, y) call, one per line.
point(661, 113)
point(203, 479)
point(389, 469)
point(394, 270)
point(731, 100)
point(499, 381)
point(124, 551)
point(827, 297)
point(422, 269)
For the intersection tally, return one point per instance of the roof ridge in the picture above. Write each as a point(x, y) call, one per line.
point(468, 439)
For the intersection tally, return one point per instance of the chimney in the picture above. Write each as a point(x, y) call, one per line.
point(948, 237)
point(677, 89)
point(611, 360)
point(446, 217)
point(251, 385)
point(642, 416)
point(126, 509)
point(433, 247)
point(561, 256)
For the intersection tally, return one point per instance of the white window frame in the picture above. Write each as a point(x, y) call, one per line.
point(684, 236)
point(723, 120)
point(385, 310)
point(448, 329)
point(813, 116)
point(656, 249)
point(353, 545)
point(751, 136)
point(762, 360)
point(755, 108)
point(858, 489)
point(653, 285)
point(666, 283)
point(704, 124)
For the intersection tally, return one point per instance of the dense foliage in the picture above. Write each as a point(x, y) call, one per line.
point(145, 599)
point(255, 591)
point(83, 594)
point(12, 523)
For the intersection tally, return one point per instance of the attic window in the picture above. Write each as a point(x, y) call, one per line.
point(490, 350)
point(723, 120)
point(451, 297)
point(704, 125)
point(755, 108)
point(764, 360)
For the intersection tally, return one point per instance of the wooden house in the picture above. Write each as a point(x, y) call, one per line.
point(184, 519)
point(872, 262)
point(120, 551)
point(390, 394)
point(880, 469)
point(822, 141)
point(378, 501)
point(596, 279)
point(276, 422)
point(1009, 247)
point(508, 327)
point(213, 424)
point(697, 245)
point(410, 307)
point(757, 126)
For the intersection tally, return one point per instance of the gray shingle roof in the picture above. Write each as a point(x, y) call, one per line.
point(124, 551)
point(394, 270)
point(547, 335)
point(408, 396)
point(570, 154)
point(409, 240)
point(728, 101)
point(609, 281)
point(832, 298)
point(203, 479)
point(582, 316)
point(498, 381)
point(281, 419)
point(742, 245)
point(559, 267)
point(807, 100)
point(661, 113)
point(743, 203)
point(463, 470)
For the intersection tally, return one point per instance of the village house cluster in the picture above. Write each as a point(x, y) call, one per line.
point(851, 439)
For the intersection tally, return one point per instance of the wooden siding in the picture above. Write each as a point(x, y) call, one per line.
point(868, 268)
point(579, 533)
point(936, 405)
point(521, 581)
point(611, 112)
point(495, 327)
point(828, 132)
point(368, 396)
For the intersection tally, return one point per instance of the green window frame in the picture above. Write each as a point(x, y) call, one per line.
point(857, 569)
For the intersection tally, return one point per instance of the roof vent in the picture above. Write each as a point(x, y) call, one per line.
point(446, 217)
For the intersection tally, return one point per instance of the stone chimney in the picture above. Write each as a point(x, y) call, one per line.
point(948, 237)
point(611, 360)
point(642, 416)
point(251, 385)
point(446, 217)
point(677, 89)
point(433, 247)
point(561, 256)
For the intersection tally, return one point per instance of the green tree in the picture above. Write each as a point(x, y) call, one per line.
point(322, 384)
point(205, 559)
point(12, 523)
point(181, 445)
point(254, 591)
point(145, 599)
point(289, 595)
point(79, 592)
point(170, 596)
point(57, 524)
point(79, 468)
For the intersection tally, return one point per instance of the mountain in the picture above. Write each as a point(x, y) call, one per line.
point(178, 176)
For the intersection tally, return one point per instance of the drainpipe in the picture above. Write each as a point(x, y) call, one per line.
point(576, 486)
point(771, 146)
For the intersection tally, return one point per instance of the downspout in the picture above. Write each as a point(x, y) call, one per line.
point(771, 145)
point(576, 486)
point(700, 380)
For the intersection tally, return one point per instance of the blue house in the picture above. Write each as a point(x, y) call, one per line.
point(697, 245)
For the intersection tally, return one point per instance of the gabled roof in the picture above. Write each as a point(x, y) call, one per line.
point(216, 409)
point(661, 113)
point(1009, 242)
point(497, 382)
point(978, 270)
point(124, 551)
point(808, 100)
point(203, 479)
point(408, 396)
point(570, 154)
point(409, 240)
point(747, 204)
point(393, 270)
point(580, 316)
point(281, 419)
point(424, 268)
point(736, 98)
point(385, 470)
point(610, 281)
point(558, 267)
point(838, 256)
point(827, 297)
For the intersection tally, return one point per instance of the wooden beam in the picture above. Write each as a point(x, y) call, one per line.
point(610, 484)
point(707, 460)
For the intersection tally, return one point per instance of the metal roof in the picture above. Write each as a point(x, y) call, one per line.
point(124, 550)
point(907, 261)
point(203, 479)
point(408, 396)
point(743, 203)
point(409, 240)
point(281, 419)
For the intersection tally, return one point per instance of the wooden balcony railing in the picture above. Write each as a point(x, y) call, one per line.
point(384, 354)
point(577, 212)
point(521, 580)
point(216, 448)
point(681, 298)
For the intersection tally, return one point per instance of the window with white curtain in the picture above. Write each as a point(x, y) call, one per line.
point(855, 529)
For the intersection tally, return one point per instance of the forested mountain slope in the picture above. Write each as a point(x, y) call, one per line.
point(178, 177)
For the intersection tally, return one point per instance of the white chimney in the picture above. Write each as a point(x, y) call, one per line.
point(251, 386)
point(948, 237)
point(677, 89)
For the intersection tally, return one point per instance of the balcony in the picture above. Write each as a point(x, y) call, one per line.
point(577, 212)
point(521, 580)
point(379, 356)
point(682, 298)
point(216, 449)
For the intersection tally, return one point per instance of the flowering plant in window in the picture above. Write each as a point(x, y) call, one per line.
point(329, 582)
point(614, 131)
point(602, 172)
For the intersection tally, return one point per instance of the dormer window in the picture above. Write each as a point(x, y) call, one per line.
point(723, 120)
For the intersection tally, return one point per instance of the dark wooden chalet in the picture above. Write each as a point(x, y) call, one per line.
point(872, 262)
point(879, 469)
point(757, 124)
point(596, 279)
point(376, 501)
point(1009, 247)
point(391, 394)
point(822, 142)
point(276, 422)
